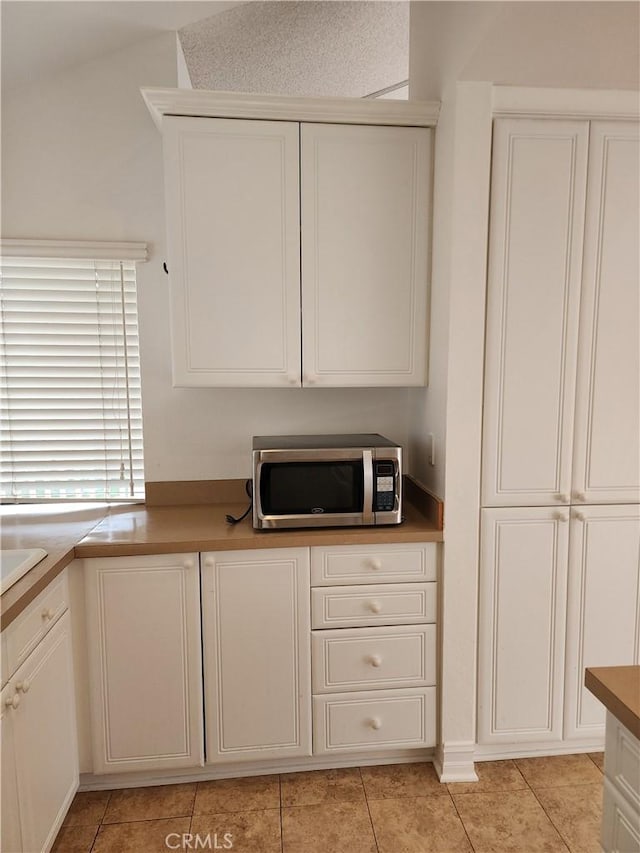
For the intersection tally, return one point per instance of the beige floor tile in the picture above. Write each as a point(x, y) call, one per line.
point(87, 808)
point(559, 770)
point(576, 814)
point(401, 780)
point(237, 795)
point(248, 832)
point(507, 822)
point(327, 828)
point(598, 759)
point(418, 825)
point(75, 839)
point(160, 801)
point(148, 836)
point(321, 786)
point(493, 776)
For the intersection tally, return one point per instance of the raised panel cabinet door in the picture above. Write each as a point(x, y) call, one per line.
point(44, 726)
point(538, 188)
point(256, 624)
point(10, 835)
point(603, 614)
point(233, 238)
point(523, 587)
point(145, 662)
point(606, 462)
point(366, 195)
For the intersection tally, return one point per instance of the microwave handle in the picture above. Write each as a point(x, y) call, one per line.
point(367, 508)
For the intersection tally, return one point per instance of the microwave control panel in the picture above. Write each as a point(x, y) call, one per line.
point(384, 486)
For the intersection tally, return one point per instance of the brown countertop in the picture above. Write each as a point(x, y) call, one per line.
point(115, 531)
point(618, 688)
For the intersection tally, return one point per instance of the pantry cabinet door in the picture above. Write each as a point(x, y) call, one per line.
point(603, 615)
point(535, 250)
point(256, 624)
point(366, 195)
point(606, 465)
point(523, 588)
point(145, 663)
point(233, 227)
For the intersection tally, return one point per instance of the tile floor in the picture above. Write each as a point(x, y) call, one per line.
point(521, 806)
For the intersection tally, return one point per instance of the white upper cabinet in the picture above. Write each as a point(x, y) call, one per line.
point(606, 458)
point(249, 204)
point(562, 379)
point(535, 251)
point(234, 251)
point(365, 220)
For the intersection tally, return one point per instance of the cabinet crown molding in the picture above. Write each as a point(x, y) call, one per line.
point(211, 104)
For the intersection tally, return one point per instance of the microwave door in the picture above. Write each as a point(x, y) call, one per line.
point(301, 490)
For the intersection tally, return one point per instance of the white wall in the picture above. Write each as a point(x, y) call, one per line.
point(82, 159)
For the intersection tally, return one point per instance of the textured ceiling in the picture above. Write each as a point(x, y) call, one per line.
point(348, 49)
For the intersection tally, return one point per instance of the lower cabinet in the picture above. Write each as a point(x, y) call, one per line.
point(145, 664)
point(374, 648)
point(559, 592)
point(255, 609)
point(39, 748)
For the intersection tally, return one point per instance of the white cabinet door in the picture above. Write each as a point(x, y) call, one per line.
point(10, 835)
point(255, 610)
point(365, 217)
point(606, 465)
point(523, 586)
point(603, 615)
point(44, 728)
point(143, 631)
point(535, 251)
point(233, 224)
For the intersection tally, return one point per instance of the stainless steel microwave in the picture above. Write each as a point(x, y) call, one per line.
point(326, 481)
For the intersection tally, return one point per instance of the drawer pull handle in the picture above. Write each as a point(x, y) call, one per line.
point(579, 516)
point(375, 606)
point(13, 702)
point(23, 686)
point(375, 660)
point(563, 498)
point(376, 565)
point(561, 516)
point(375, 723)
point(48, 613)
point(188, 565)
point(209, 562)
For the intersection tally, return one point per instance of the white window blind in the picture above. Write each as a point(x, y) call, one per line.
point(70, 408)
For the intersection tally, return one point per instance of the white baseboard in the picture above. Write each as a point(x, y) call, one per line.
point(453, 761)
point(95, 782)
point(504, 751)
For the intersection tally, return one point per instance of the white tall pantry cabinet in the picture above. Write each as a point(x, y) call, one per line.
point(560, 524)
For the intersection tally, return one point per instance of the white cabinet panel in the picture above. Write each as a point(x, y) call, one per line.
point(256, 623)
point(365, 220)
point(10, 834)
point(381, 719)
point(603, 614)
point(143, 629)
point(370, 658)
point(523, 585)
point(535, 250)
point(234, 250)
point(606, 465)
point(44, 730)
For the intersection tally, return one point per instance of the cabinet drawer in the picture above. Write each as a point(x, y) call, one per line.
point(369, 658)
point(622, 761)
point(24, 634)
point(382, 604)
point(373, 564)
point(385, 718)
